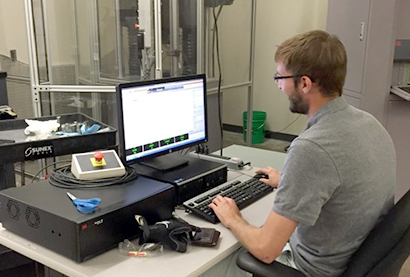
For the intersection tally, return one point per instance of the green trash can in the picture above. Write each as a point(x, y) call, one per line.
point(258, 126)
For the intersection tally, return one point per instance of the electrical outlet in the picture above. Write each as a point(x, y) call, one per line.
point(13, 55)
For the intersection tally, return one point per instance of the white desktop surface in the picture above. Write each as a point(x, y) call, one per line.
point(258, 157)
point(192, 263)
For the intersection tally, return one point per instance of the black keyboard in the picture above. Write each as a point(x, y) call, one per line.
point(244, 190)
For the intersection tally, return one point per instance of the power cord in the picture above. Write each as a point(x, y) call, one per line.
point(63, 178)
point(216, 36)
point(35, 176)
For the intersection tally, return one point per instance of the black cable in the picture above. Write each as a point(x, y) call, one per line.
point(213, 38)
point(188, 150)
point(63, 178)
point(213, 45)
point(220, 72)
point(62, 161)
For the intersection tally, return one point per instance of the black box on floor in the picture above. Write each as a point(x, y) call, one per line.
point(189, 180)
point(45, 215)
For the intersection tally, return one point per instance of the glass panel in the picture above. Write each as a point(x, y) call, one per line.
point(108, 54)
point(18, 91)
point(188, 26)
point(105, 42)
point(179, 37)
point(82, 102)
point(83, 34)
point(125, 32)
point(18, 87)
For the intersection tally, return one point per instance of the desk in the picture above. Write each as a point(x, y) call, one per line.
point(257, 157)
point(192, 263)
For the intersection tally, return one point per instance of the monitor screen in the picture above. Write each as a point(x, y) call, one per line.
point(161, 116)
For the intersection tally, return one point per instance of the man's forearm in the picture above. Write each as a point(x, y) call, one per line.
point(254, 241)
point(265, 243)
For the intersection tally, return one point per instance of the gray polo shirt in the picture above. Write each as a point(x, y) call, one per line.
point(337, 182)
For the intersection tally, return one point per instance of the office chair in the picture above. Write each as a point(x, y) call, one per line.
point(382, 253)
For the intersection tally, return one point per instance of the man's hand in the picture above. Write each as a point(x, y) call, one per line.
point(274, 176)
point(266, 242)
point(226, 210)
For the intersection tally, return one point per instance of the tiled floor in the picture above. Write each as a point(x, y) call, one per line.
point(278, 145)
point(270, 144)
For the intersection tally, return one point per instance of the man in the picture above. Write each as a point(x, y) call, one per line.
point(339, 175)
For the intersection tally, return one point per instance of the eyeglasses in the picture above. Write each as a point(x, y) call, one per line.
point(277, 77)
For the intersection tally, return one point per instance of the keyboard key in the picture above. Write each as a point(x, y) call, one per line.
point(226, 187)
point(215, 193)
point(201, 199)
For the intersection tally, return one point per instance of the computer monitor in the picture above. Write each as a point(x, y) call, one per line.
point(161, 116)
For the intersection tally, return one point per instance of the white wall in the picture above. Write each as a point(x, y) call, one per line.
point(276, 21)
point(403, 20)
point(13, 32)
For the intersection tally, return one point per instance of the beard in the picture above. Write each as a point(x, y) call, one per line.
point(297, 104)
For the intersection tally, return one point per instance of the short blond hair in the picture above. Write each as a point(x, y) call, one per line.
point(317, 54)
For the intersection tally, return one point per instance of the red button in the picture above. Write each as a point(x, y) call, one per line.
point(98, 156)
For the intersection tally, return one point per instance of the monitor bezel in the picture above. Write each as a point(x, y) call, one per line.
point(120, 114)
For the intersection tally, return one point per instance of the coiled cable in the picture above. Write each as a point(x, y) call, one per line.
point(63, 178)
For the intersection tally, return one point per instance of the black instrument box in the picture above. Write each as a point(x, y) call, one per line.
point(191, 179)
point(45, 215)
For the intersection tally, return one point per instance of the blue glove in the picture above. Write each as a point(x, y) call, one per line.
point(92, 129)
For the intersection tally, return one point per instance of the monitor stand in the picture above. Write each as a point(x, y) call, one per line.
point(166, 162)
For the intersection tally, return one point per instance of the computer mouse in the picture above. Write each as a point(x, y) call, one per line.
point(261, 175)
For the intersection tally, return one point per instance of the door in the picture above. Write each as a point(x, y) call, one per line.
point(348, 20)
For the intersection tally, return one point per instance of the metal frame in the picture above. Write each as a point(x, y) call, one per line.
point(118, 49)
point(95, 58)
point(200, 43)
point(32, 58)
point(75, 88)
point(251, 76)
point(94, 49)
point(158, 39)
point(174, 16)
point(202, 64)
point(37, 88)
point(49, 55)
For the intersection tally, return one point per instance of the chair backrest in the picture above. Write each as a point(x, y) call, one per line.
point(387, 247)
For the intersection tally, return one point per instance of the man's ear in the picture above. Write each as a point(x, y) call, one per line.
point(305, 84)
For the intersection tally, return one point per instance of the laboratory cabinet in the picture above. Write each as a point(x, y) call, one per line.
point(368, 30)
point(353, 34)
